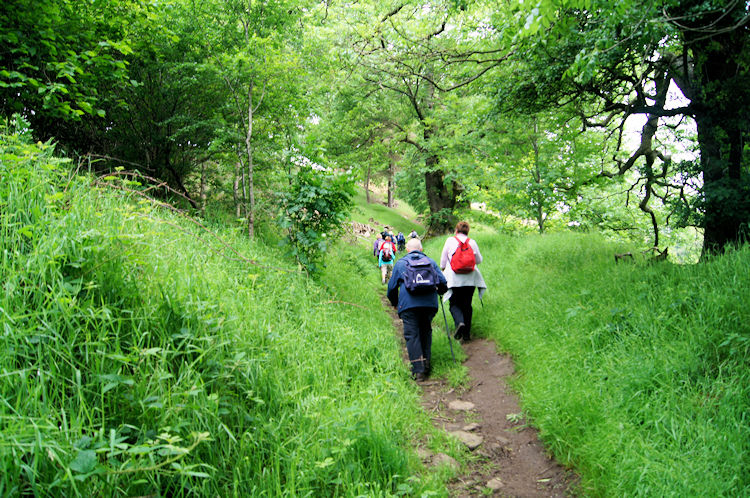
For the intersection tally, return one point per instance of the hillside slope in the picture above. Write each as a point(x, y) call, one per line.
point(143, 354)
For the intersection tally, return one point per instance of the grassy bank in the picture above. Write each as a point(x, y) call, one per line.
point(636, 374)
point(141, 354)
point(400, 218)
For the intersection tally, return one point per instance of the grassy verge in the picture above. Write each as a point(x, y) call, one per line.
point(635, 374)
point(142, 355)
point(400, 218)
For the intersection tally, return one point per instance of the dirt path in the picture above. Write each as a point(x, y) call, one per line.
point(486, 415)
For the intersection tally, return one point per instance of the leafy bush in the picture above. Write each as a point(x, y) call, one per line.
point(314, 210)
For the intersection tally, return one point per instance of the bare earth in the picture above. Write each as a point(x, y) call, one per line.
point(511, 462)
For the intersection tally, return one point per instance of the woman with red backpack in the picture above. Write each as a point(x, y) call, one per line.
point(386, 257)
point(459, 262)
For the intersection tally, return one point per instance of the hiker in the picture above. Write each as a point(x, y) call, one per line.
point(376, 245)
point(413, 235)
point(459, 261)
point(417, 306)
point(386, 256)
point(401, 240)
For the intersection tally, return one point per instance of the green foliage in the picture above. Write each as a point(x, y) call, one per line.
point(58, 55)
point(603, 48)
point(636, 374)
point(142, 355)
point(413, 98)
point(313, 212)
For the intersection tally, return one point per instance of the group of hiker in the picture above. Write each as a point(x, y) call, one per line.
point(385, 248)
point(415, 281)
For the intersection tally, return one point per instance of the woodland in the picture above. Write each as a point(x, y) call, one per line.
point(178, 179)
point(630, 118)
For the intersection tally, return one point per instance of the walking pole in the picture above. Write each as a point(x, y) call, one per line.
point(447, 332)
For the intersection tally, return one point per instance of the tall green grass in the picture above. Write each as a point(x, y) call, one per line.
point(141, 355)
point(636, 374)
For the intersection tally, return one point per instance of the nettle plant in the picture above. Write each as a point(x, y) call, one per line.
point(314, 212)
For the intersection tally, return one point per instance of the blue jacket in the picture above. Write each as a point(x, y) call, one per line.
point(398, 295)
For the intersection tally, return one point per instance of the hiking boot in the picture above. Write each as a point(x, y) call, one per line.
point(420, 377)
point(459, 331)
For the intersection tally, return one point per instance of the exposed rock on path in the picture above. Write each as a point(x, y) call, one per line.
point(510, 461)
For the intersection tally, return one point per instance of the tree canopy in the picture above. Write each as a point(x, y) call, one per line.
point(524, 107)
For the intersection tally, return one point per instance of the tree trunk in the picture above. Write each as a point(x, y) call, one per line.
point(236, 191)
point(178, 181)
point(540, 218)
point(536, 174)
point(722, 103)
point(440, 200)
point(725, 198)
point(249, 150)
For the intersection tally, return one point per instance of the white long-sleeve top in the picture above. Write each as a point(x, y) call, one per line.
point(472, 279)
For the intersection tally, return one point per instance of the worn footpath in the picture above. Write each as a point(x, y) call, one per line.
point(508, 459)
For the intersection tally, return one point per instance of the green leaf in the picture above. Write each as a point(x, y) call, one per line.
point(84, 462)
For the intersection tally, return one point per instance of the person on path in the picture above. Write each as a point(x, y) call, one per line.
point(413, 235)
point(386, 257)
point(376, 245)
point(416, 309)
point(461, 284)
point(401, 240)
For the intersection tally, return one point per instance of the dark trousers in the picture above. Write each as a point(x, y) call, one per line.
point(418, 335)
point(460, 306)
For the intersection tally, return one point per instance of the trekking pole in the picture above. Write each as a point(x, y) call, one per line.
point(447, 332)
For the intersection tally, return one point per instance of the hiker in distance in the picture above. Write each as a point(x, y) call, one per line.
point(376, 246)
point(414, 289)
point(401, 241)
point(459, 261)
point(386, 257)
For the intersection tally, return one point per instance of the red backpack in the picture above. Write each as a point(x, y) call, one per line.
point(387, 249)
point(463, 260)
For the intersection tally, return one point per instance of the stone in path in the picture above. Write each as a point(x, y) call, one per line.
point(472, 441)
point(495, 484)
point(461, 406)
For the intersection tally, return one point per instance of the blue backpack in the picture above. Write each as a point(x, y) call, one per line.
point(420, 276)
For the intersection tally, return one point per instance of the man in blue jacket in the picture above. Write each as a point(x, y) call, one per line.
point(416, 309)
